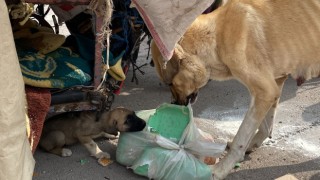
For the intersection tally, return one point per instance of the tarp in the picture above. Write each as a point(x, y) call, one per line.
point(16, 160)
point(167, 21)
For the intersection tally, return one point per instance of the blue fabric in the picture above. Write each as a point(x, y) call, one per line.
point(86, 47)
point(58, 69)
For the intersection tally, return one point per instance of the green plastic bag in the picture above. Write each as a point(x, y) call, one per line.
point(166, 148)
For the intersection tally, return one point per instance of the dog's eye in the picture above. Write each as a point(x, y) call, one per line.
point(115, 122)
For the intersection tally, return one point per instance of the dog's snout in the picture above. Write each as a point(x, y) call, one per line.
point(189, 99)
point(180, 103)
point(174, 102)
point(192, 98)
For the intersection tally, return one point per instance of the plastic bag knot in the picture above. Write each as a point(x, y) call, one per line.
point(181, 146)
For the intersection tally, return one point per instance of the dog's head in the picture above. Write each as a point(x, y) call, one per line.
point(123, 120)
point(184, 74)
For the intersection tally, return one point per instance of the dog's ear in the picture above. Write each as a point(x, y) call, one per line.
point(192, 71)
point(169, 69)
point(179, 53)
point(165, 70)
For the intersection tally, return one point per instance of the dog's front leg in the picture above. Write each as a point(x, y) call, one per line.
point(93, 148)
point(263, 96)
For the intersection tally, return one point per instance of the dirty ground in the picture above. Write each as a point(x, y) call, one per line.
point(219, 110)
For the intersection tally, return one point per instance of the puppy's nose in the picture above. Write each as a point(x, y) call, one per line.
point(141, 124)
point(136, 124)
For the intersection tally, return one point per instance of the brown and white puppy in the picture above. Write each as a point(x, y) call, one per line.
point(257, 42)
point(83, 127)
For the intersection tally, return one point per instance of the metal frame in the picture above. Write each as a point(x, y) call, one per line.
point(91, 98)
point(99, 21)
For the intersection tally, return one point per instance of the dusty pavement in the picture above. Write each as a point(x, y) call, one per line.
point(295, 147)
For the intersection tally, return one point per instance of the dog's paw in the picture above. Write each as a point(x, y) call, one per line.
point(66, 152)
point(103, 155)
point(217, 172)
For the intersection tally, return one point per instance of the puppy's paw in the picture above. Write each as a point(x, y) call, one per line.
point(66, 152)
point(111, 137)
point(102, 155)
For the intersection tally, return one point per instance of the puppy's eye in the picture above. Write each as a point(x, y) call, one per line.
point(115, 122)
point(129, 117)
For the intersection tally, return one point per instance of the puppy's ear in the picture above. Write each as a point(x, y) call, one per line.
point(120, 107)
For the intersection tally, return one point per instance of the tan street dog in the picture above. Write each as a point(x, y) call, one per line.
point(83, 127)
point(259, 43)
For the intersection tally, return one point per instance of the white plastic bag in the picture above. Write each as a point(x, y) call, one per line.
point(157, 157)
point(160, 163)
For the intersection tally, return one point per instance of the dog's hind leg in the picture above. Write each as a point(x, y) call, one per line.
point(264, 92)
point(53, 142)
point(265, 129)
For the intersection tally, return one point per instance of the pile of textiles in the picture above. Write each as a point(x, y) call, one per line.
point(45, 62)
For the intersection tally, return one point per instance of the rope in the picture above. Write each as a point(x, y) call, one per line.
point(103, 8)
